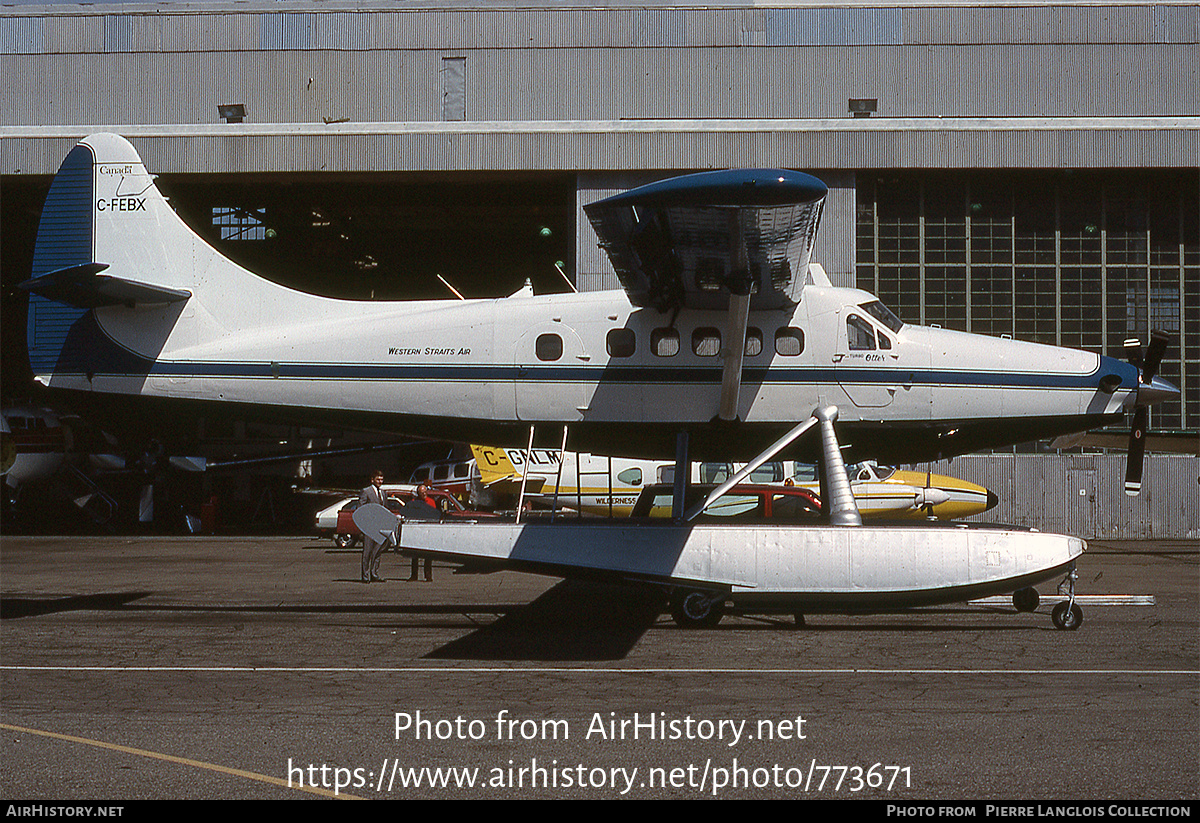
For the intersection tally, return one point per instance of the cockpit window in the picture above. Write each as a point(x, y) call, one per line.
point(860, 334)
point(883, 314)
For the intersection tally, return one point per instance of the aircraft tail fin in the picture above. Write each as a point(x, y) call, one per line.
point(110, 246)
point(494, 465)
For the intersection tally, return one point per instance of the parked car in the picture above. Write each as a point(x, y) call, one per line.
point(327, 518)
point(749, 503)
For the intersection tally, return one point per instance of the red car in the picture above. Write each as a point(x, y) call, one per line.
point(347, 534)
point(744, 503)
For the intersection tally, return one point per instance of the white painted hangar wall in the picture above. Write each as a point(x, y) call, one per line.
point(304, 62)
point(588, 83)
point(606, 90)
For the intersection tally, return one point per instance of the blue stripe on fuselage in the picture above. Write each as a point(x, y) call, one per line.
point(629, 375)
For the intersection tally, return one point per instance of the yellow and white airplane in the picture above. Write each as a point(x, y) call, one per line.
point(609, 486)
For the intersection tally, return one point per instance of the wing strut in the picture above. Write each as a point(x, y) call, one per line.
point(843, 510)
point(740, 285)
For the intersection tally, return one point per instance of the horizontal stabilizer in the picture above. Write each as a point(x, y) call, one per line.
point(85, 287)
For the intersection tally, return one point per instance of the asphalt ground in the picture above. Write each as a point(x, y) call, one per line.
point(240, 668)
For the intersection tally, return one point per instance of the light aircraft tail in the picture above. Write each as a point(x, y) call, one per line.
point(494, 465)
point(125, 297)
point(107, 237)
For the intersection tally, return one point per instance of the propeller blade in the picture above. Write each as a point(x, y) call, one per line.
point(1137, 449)
point(1154, 354)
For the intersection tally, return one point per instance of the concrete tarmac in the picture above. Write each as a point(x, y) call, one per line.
point(216, 668)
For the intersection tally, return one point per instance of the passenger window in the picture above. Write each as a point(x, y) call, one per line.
point(789, 341)
point(548, 347)
point(631, 477)
point(462, 470)
point(621, 342)
point(706, 342)
point(753, 342)
point(885, 342)
point(767, 473)
point(665, 342)
point(441, 472)
point(860, 334)
point(715, 472)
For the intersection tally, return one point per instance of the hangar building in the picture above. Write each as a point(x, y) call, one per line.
point(1024, 168)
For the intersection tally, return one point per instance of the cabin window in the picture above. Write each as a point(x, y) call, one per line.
point(548, 347)
point(621, 342)
point(706, 342)
point(753, 342)
point(665, 342)
point(767, 473)
point(441, 472)
point(421, 474)
point(789, 341)
point(885, 342)
point(631, 477)
point(860, 334)
point(715, 472)
point(462, 470)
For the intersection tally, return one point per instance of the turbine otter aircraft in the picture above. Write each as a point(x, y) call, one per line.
point(726, 331)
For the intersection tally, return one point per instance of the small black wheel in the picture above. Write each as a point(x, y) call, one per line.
point(1026, 600)
point(799, 618)
point(694, 609)
point(343, 541)
point(1067, 616)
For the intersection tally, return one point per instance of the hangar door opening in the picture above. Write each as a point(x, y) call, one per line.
point(388, 237)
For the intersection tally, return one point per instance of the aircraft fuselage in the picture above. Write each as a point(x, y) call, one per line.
point(493, 367)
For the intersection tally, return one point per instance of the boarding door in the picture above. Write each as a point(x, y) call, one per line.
point(551, 375)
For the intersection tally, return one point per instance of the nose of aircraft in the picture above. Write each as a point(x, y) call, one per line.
point(1156, 391)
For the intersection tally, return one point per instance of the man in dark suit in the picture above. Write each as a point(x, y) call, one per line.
point(372, 549)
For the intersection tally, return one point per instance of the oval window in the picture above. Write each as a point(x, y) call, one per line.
point(753, 342)
point(706, 342)
point(665, 342)
point(789, 341)
point(548, 347)
point(621, 342)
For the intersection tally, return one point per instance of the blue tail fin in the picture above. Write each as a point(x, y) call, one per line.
point(65, 238)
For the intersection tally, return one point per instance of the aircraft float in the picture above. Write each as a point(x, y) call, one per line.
point(725, 340)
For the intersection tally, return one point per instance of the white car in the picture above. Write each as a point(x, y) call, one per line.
point(327, 522)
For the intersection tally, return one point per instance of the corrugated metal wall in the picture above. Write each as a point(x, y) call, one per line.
point(1083, 494)
point(114, 65)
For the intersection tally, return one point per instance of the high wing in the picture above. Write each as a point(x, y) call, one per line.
point(692, 241)
point(731, 240)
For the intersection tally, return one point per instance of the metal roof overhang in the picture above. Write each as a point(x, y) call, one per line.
point(851, 143)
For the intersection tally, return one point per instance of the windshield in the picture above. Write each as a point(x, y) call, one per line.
point(883, 314)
